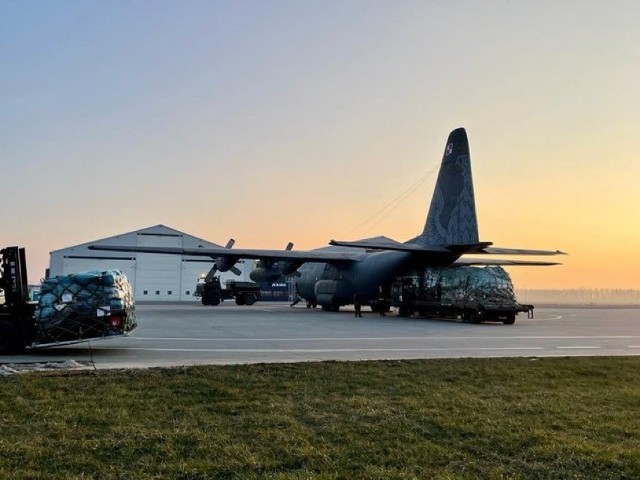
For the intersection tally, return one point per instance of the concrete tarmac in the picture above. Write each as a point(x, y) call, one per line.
point(180, 335)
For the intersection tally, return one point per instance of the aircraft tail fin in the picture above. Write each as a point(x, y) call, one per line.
point(452, 215)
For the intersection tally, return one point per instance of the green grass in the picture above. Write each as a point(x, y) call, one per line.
point(483, 418)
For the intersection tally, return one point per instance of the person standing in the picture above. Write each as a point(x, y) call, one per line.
point(357, 304)
point(382, 302)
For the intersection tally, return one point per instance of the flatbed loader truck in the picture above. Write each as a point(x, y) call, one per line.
point(470, 294)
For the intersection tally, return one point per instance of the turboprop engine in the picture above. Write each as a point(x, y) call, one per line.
point(226, 263)
point(265, 272)
point(270, 271)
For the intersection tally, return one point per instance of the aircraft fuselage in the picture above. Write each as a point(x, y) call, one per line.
point(332, 285)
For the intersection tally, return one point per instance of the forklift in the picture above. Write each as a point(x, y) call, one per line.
point(17, 321)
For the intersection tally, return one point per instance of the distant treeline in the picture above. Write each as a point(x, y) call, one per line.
point(600, 296)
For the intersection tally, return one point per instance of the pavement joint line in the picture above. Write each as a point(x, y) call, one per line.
point(575, 347)
point(423, 337)
point(320, 350)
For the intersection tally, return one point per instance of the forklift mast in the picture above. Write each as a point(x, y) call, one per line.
point(17, 326)
point(13, 278)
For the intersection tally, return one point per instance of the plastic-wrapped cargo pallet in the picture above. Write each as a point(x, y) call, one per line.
point(489, 285)
point(83, 306)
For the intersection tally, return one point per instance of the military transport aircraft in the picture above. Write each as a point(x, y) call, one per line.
point(330, 276)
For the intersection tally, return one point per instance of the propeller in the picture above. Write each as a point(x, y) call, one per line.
point(224, 264)
point(289, 268)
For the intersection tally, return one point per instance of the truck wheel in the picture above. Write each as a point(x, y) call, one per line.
point(249, 299)
point(215, 301)
point(9, 341)
point(240, 300)
point(510, 320)
point(404, 312)
point(477, 316)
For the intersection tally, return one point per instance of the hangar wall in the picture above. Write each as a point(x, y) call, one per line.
point(154, 277)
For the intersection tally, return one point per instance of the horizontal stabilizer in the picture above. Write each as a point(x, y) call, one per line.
point(480, 261)
point(519, 251)
point(469, 247)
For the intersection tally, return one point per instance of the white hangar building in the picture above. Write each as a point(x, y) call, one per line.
point(154, 277)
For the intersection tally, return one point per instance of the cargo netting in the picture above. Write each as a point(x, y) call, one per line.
point(85, 305)
point(488, 285)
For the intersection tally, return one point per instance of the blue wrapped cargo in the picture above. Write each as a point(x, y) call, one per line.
point(84, 306)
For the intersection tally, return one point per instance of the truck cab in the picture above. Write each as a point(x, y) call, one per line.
point(211, 291)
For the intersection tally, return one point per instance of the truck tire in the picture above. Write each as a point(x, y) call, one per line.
point(510, 320)
point(250, 298)
point(240, 299)
point(9, 338)
point(477, 316)
point(210, 298)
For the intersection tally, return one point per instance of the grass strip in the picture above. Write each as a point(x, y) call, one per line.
point(465, 418)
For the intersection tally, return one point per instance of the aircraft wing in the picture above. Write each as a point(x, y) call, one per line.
point(481, 261)
point(289, 255)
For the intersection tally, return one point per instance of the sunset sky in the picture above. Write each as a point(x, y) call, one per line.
point(278, 121)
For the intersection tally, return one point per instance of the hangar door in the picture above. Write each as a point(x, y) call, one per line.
point(158, 277)
point(77, 264)
point(192, 269)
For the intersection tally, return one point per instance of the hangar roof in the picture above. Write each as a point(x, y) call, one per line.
point(160, 230)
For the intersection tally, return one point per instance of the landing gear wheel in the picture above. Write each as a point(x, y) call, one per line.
point(330, 308)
